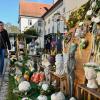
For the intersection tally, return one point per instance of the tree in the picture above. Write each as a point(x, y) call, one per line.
point(30, 34)
point(11, 28)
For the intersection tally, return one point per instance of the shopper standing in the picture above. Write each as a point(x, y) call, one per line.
point(4, 44)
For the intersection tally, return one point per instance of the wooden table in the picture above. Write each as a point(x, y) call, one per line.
point(85, 93)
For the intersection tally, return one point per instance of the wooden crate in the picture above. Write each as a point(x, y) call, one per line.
point(61, 82)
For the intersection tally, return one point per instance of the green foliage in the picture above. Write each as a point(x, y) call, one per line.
point(11, 28)
point(30, 33)
point(11, 86)
point(78, 15)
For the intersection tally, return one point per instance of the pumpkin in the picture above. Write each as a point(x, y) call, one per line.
point(24, 86)
point(42, 97)
point(26, 98)
point(45, 87)
point(17, 78)
point(58, 96)
point(37, 77)
point(26, 75)
point(72, 98)
point(42, 76)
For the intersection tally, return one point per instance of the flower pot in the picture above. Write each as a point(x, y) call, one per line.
point(98, 78)
point(90, 75)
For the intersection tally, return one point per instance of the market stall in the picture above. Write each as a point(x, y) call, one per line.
point(70, 64)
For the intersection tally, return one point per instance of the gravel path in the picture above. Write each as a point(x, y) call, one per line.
point(4, 81)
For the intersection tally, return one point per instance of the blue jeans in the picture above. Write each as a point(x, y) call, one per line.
point(2, 55)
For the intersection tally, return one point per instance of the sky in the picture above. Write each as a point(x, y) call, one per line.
point(9, 10)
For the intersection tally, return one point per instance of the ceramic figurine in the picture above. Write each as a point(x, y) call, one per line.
point(71, 67)
point(45, 60)
point(65, 59)
point(91, 77)
point(59, 64)
point(47, 74)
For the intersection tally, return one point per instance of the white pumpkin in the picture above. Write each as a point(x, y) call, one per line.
point(58, 96)
point(93, 19)
point(54, 96)
point(97, 20)
point(89, 12)
point(81, 23)
point(42, 97)
point(24, 86)
point(45, 87)
point(26, 98)
point(93, 4)
point(72, 98)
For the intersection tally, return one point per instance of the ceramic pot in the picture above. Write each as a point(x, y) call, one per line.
point(90, 74)
point(98, 78)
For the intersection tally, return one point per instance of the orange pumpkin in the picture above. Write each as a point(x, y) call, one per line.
point(42, 76)
point(37, 77)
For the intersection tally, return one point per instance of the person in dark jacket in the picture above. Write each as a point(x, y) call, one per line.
point(4, 44)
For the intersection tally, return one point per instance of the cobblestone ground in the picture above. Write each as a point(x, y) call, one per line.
point(4, 81)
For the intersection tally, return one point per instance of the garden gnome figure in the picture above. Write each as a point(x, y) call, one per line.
point(71, 66)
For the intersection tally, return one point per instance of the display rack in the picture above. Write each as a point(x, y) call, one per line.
point(85, 93)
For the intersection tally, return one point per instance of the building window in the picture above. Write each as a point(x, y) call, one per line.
point(49, 21)
point(29, 22)
point(39, 23)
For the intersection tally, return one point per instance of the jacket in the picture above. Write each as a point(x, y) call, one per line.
point(6, 42)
